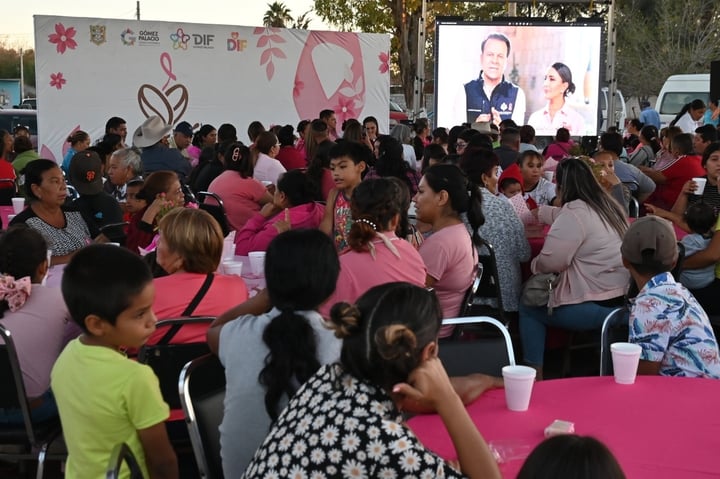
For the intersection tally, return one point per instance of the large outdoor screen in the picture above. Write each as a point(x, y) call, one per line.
point(478, 78)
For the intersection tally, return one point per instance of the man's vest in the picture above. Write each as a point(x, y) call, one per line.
point(502, 99)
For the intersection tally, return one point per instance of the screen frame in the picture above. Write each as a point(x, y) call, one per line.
point(599, 59)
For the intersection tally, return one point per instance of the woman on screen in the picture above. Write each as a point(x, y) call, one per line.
point(557, 85)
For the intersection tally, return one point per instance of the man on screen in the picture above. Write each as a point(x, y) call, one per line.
point(491, 97)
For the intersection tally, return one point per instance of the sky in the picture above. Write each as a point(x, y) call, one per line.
point(16, 24)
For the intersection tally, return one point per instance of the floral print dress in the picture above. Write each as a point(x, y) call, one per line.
point(339, 426)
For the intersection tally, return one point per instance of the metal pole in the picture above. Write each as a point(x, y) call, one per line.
point(137, 9)
point(420, 72)
point(610, 68)
point(22, 77)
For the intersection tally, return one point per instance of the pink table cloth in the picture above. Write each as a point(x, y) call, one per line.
point(658, 428)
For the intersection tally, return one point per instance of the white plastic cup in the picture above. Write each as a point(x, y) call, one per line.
point(18, 205)
point(519, 382)
point(10, 218)
point(549, 175)
point(257, 262)
point(233, 267)
point(228, 252)
point(625, 358)
point(700, 182)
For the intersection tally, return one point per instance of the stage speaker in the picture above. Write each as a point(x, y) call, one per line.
point(715, 80)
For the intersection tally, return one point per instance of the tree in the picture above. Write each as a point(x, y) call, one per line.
point(10, 63)
point(302, 22)
point(662, 38)
point(277, 15)
point(400, 18)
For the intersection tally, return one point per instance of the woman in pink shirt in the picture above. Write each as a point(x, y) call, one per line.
point(242, 195)
point(583, 247)
point(190, 249)
point(293, 207)
point(449, 253)
point(375, 255)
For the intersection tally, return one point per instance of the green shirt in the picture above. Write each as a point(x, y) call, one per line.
point(104, 399)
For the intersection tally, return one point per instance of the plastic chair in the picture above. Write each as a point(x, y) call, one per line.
point(613, 330)
point(202, 392)
point(72, 194)
point(115, 232)
point(30, 440)
point(633, 207)
point(122, 453)
point(488, 287)
point(167, 360)
point(8, 190)
point(485, 355)
point(467, 303)
point(216, 210)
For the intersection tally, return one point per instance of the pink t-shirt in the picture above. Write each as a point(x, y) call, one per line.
point(40, 330)
point(450, 258)
point(359, 271)
point(240, 196)
point(173, 294)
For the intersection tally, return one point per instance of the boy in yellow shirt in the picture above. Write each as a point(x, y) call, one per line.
point(105, 399)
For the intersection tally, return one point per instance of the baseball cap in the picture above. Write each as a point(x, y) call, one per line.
point(650, 238)
point(184, 127)
point(85, 173)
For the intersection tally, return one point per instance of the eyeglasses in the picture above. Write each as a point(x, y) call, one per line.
point(461, 145)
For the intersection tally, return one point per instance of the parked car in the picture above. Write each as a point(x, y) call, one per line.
point(620, 110)
point(29, 104)
point(9, 119)
point(397, 114)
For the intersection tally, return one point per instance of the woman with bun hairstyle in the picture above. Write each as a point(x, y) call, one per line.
point(557, 86)
point(375, 255)
point(346, 420)
point(79, 141)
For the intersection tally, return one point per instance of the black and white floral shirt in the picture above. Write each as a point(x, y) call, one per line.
point(339, 426)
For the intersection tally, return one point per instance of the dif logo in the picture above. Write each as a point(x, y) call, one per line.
point(182, 40)
point(202, 41)
point(235, 43)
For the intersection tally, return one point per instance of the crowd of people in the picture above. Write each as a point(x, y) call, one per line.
point(371, 239)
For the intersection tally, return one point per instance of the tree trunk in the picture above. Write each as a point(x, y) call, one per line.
point(406, 31)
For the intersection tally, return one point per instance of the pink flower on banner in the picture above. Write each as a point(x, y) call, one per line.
point(345, 109)
point(63, 38)
point(384, 59)
point(57, 80)
point(299, 85)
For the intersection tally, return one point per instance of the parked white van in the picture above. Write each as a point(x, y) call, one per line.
point(679, 90)
point(620, 110)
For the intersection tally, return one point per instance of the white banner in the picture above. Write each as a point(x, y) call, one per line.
point(90, 69)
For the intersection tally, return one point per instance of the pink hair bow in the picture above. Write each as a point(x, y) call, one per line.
point(15, 292)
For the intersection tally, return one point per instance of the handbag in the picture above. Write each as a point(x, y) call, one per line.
point(537, 289)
